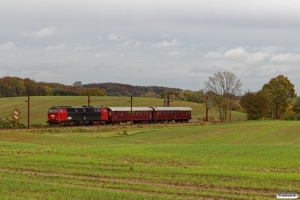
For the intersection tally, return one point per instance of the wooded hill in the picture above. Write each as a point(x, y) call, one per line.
point(118, 89)
point(15, 86)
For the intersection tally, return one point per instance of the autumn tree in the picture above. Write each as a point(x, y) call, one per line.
point(31, 87)
point(77, 84)
point(167, 93)
point(282, 92)
point(223, 85)
point(94, 92)
point(198, 96)
point(296, 106)
point(17, 86)
point(48, 91)
point(256, 104)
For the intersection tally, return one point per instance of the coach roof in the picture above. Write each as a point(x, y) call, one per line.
point(172, 108)
point(128, 108)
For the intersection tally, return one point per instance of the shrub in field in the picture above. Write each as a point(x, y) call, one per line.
point(7, 123)
point(236, 106)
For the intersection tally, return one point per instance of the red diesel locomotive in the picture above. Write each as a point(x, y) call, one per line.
point(89, 115)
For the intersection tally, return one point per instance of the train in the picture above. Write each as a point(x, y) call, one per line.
point(91, 115)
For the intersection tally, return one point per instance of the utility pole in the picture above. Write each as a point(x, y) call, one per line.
point(168, 101)
point(278, 111)
point(206, 109)
point(131, 110)
point(230, 105)
point(28, 112)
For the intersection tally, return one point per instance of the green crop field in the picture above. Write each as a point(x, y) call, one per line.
point(39, 106)
point(240, 160)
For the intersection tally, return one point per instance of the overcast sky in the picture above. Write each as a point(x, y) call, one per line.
point(172, 43)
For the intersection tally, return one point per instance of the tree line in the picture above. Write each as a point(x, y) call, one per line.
point(276, 99)
point(15, 86)
point(118, 89)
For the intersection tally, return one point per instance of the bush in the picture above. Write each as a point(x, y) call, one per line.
point(7, 123)
point(289, 116)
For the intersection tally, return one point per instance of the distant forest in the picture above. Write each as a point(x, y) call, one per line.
point(15, 86)
point(118, 89)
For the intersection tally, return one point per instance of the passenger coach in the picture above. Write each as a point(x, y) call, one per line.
point(169, 114)
point(116, 115)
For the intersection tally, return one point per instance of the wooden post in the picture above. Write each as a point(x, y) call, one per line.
point(28, 112)
point(230, 105)
point(131, 110)
point(278, 109)
point(206, 109)
point(168, 101)
point(89, 100)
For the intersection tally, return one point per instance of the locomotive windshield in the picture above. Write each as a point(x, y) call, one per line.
point(53, 110)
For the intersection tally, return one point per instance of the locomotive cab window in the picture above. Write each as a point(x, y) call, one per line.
point(53, 110)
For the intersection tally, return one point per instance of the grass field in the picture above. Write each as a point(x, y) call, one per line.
point(39, 106)
point(241, 160)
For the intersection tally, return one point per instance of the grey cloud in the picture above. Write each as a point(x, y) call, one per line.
point(55, 48)
point(44, 32)
point(7, 46)
point(172, 43)
point(150, 42)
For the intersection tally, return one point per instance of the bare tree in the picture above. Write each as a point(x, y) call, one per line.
point(223, 85)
